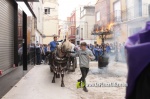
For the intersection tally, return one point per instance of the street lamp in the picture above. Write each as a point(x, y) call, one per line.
point(102, 33)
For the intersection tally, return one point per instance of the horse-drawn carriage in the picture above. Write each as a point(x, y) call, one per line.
point(61, 61)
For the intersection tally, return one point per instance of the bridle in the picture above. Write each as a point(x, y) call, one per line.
point(64, 52)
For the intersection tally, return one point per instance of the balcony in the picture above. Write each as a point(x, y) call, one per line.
point(134, 13)
point(114, 17)
point(129, 14)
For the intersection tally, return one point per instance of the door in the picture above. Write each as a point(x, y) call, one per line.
point(6, 34)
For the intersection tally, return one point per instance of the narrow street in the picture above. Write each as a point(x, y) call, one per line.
point(35, 33)
point(37, 84)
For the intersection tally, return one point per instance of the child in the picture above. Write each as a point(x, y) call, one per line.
point(85, 55)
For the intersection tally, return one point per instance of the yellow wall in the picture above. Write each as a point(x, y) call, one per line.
point(98, 40)
point(47, 40)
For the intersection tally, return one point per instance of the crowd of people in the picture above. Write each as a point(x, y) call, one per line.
point(38, 53)
point(112, 49)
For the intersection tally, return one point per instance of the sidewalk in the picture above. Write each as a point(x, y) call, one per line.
point(37, 85)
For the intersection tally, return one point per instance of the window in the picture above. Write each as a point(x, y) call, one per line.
point(84, 11)
point(97, 16)
point(117, 11)
point(138, 8)
point(81, 8)
point(47, 10)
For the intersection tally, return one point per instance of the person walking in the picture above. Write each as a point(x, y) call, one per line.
point(96, 52)
point(38, 54)
point(46, 51)
point(20, 52)
point(91, 47)
point(85, 55)
point(32, 53)
point(122, 52)
point(108, 49)
point(42, 54)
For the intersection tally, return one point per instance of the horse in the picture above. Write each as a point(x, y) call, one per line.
point(60, 58)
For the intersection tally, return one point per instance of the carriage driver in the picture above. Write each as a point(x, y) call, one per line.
point(53, 46)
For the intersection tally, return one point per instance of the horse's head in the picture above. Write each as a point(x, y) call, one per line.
point(64, 48)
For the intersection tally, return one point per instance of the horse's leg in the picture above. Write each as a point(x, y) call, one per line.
point(62, 81)
point(58, 75)
point(53, 81)
point(58, 71)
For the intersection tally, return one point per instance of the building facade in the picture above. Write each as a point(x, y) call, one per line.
point(14, 23)
point(103, 17)
point(117, 7)
point(125, 14)
point(87, 20)
point(38, 10)
point(78, 39)
point(72, 27)
point(20, 35)
point(137, 12)
point(50, 20)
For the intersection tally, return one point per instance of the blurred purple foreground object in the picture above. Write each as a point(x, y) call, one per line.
point(138, 56)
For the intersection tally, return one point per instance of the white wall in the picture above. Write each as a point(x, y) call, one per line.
point(38, 37)
point(91, 22)
point(87, 21)
point(38, 10)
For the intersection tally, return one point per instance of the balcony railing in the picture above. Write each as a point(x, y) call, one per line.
point(135, 12)
point(114, 17)
point(129, 14)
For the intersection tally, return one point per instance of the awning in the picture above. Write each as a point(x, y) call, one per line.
point(28, 6)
